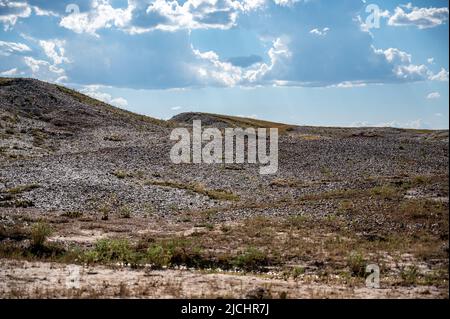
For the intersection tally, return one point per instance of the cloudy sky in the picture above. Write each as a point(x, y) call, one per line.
point(313, 62)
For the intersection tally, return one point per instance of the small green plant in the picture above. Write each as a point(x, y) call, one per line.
point(39, 137)
point(251, 259)
point(72, 214)
point(122, 174)
point(185, 252)
point(283, 294)
point(345, 205)
point(297, 272)
point(111, 250)
point(280, 182)
point(22, 188)
point(297, 221)
point(39, 234)
point(385, 192)
point(216, 194)
point(357, 265)
point(326, 171)
point(15, 233)
point(113, 138)
point(420, 180)
point(125, 212)
point(335, 194)
point(158, 256)
point(23, 203)
point(421, 208)
point(225, 229)
point(208, 226)
point(105, 210)
point(409, 275)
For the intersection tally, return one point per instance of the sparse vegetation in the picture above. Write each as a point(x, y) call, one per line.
point(15, 233)
point(296, 221)
point(72, 214)
point(420, 209)
point(105, 215)
point(385, 192)
point(326, 172)
point(122, 174)
point(346, 205)
point(242, 122)
point(410, 275)
point(114, 138)
point(5, 81)
point(22, 203)
point(297, 272)
point(356, 196)
point(22, 189)
point(284, 183)
point(251, 259)
point(39, 234)
point(337, 194)
point(218, 194)
point(82, 98)
point(357, 264)
point(158, 257)
point(109, 251)
point(39, 137)
point(125, 211)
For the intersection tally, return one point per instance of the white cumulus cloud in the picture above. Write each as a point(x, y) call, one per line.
point(167, 15)
point(433, 96)
point(402, 65)
point(11, 11)
point(44, 70)
point(102, 15)
point(441, 76)
point(9, 72)
point(320, 32)
point(286, 3)
point(8, 48)
point(54, 49)
point(421, 18)
point(93, 91)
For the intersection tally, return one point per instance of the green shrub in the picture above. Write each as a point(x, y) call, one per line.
point(122, 174)
point(39, 233)
point(409, 275)
point(385, 192)
point(125, 212)
point(183, 252)
point(74, 214)
point(251, 259)
point(22, 188)
point(158, 256)
point(357, 265)
point(297, 272)
point(113, 138)
point(111, 250)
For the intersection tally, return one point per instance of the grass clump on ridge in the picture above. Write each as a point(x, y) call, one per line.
point(217, 194)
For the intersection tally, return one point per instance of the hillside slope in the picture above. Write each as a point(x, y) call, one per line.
point(61, 106)
point(39, 118)
point(223, 121)
point(342, 197)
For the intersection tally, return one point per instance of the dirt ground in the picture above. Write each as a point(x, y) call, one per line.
point(21, 279)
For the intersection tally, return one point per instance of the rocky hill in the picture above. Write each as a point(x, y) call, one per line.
point(93, 171)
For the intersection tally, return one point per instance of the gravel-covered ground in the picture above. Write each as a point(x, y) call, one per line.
point(62, 152)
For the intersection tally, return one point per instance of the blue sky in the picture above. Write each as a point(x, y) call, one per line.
point(309, 62)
